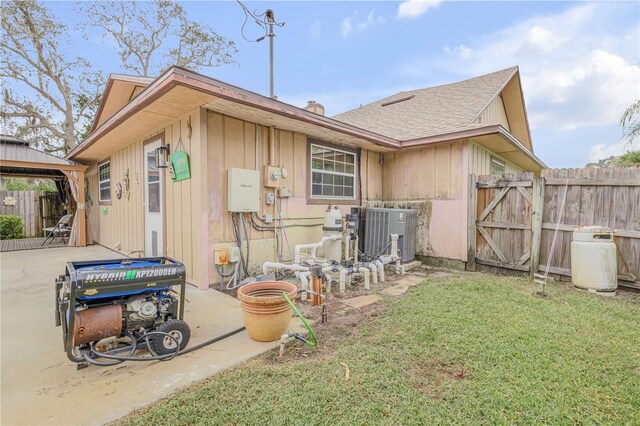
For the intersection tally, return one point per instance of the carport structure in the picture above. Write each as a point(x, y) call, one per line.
point(18, 159)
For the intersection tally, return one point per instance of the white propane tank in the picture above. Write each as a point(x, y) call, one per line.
point(593, 259)
point(332, 226)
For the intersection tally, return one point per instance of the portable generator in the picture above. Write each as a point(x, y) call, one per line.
point(108, 309)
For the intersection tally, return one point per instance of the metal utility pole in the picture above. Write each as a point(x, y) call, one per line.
point(266, 21)
point(270, 21)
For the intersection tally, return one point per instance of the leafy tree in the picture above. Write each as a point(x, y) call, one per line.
point(630, 122)
point(47, 97)
point(51, 99)
point(629, 159)
point(152, 36)
point(26, 184)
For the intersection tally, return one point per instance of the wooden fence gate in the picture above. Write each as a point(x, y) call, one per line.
point(513, 218)
point(500, 226)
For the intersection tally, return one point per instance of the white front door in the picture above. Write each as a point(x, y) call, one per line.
point(153, 202)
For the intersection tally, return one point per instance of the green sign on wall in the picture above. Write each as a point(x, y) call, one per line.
point(180, 163)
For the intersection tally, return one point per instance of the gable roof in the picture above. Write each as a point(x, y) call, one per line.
point(432, 111)
point(120, 89)
point(178, 91)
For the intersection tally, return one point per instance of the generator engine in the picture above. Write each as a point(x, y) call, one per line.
point(99, 302)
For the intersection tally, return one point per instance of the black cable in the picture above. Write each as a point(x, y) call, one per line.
point(154, 357)
point(221, 272)
point(247, 236)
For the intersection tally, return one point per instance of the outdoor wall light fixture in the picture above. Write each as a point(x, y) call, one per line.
point(162, 156)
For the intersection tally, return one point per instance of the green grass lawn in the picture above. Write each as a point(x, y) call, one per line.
point(468, 348)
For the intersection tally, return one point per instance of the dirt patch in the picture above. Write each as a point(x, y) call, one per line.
point(341, 324)
point(342, 320)
point(434, 377)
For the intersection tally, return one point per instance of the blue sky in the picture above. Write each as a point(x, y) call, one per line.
point(579, 61)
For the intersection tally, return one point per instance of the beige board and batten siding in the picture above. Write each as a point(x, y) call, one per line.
point(117, 224)
point(495, 113)
point(232, 144)
point(120, 224)
point(430, 180)
point(480, 161)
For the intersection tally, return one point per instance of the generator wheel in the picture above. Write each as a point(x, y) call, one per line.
point(163, 345)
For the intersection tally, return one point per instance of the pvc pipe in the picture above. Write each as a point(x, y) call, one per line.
point(303, 277)
point(274, 266)
point(343, 279)
point(313, 246)
point(364, 271)
point(304, 281)
point(346, 247)
point(380, 269)
point(355, 249)
point(283, 341)
point(374, 272)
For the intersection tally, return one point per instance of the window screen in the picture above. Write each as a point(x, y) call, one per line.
point(104, 182)
point(497, 166)
point(333, 173)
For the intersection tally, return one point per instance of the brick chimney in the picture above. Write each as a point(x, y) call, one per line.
point(314, 107)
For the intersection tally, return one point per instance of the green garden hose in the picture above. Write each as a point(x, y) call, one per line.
point(314, 340)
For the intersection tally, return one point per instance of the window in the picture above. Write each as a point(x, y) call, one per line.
point(104, 182)
point(333, 173)
point(497, 166)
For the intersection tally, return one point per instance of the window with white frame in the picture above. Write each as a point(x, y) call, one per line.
point(497, 166)
point(104, 182)
point(333, 173)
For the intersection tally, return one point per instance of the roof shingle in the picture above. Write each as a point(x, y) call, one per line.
point(430, 111)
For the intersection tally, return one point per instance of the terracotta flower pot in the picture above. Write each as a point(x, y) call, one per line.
point(265, 311)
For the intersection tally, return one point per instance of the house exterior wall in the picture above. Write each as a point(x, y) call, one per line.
point(231, 142)
point(480, 161)
point(495, 113)
point(433, 181)
point(120, 224)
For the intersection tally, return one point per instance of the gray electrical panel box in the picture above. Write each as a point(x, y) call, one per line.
point(243, 190)
point(381, 223)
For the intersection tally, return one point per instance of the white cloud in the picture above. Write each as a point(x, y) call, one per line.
point(356, 22)
point(578, 69)
point(346, 27)
point(602, 151)
point(316, 30)
point(411, 9)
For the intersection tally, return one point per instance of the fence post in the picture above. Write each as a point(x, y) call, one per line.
point(536, 223)
point(471, 224)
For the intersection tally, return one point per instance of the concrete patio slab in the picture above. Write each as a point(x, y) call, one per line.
point(41, 386)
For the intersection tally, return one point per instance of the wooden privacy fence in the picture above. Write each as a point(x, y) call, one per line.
point(513, 217)
point(38, 209)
